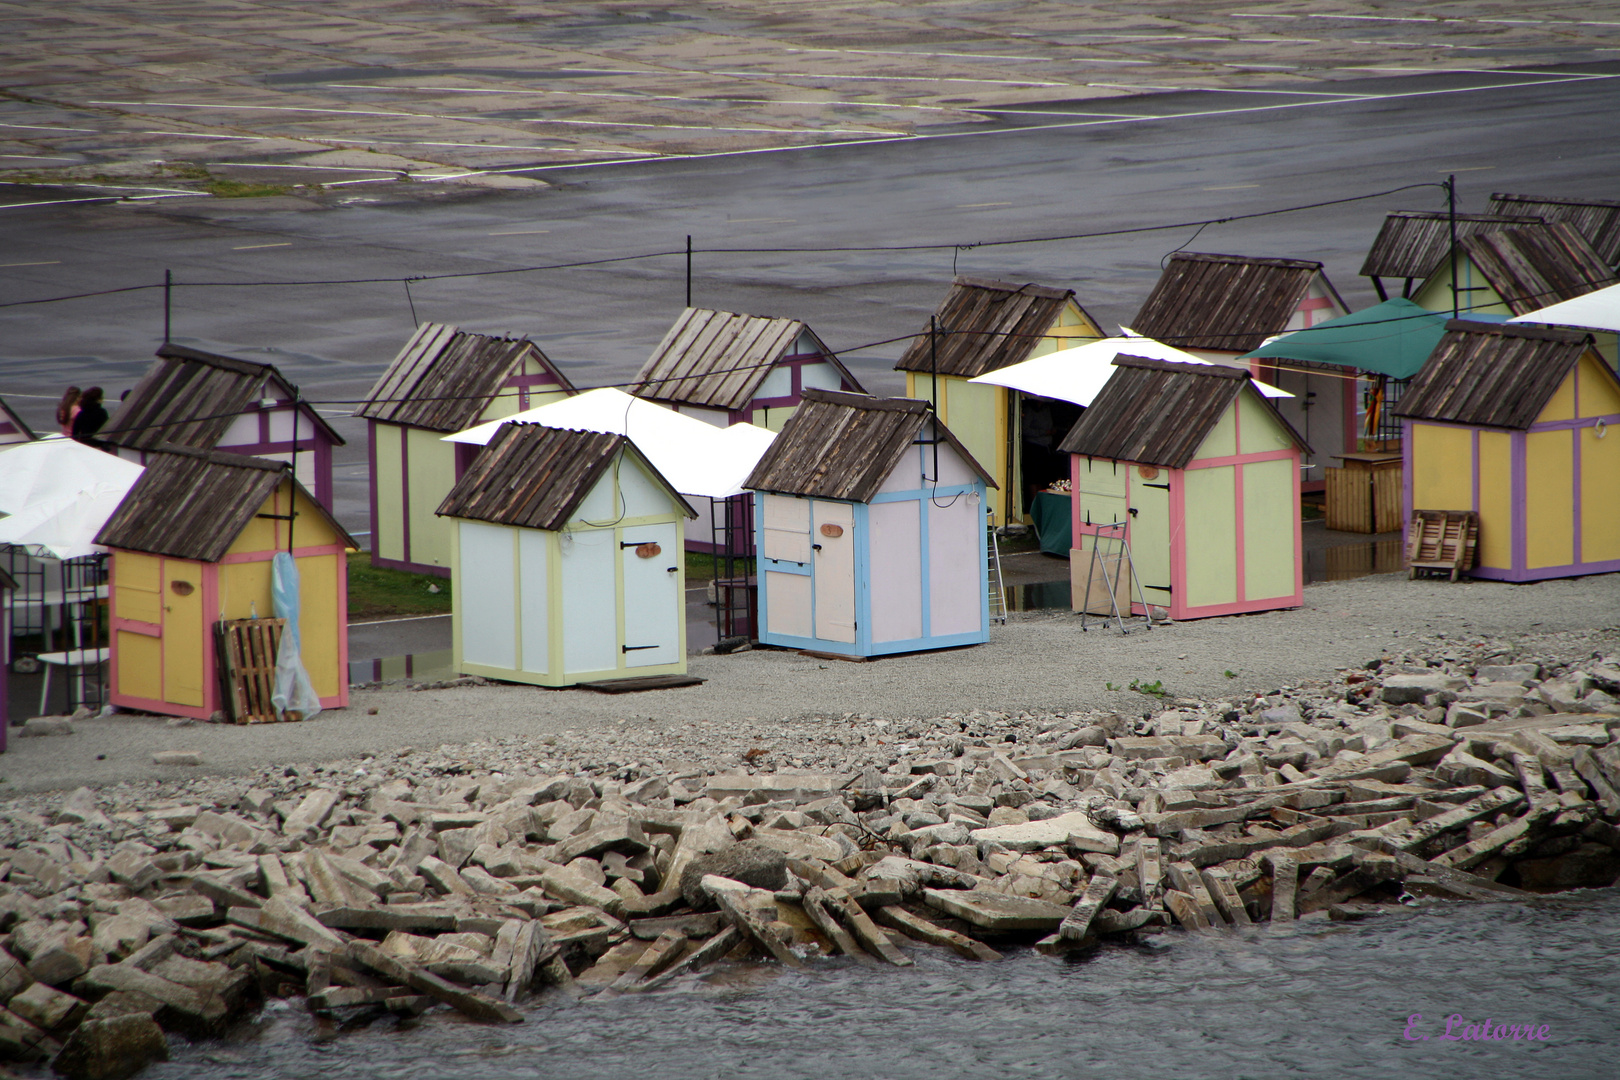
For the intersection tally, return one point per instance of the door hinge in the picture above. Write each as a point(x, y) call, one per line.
point(635, 648)
point(1159, 588)
point(1166, 487)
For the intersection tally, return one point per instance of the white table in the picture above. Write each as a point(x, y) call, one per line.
point(72, 658)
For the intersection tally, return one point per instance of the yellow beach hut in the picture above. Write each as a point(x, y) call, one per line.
point(1203, 472)
point(443, 381)
point(191, 545)
point(984, 325)
point(1518, 424)
point(567, 560)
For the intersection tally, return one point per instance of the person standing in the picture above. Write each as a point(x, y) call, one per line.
point(67, 409)
point(90, 416)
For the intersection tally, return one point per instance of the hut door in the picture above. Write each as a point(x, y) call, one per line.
point(653, 604)
point(182, 633)
point(832, 540)
point(1150, 531)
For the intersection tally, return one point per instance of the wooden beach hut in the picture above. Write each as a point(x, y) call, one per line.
point(12, 427)
point(725, 368)
point(205, 401)
point(982, 326)
point(1520, 424)
point(1204, 471)
point(443, 381)
point(1596, 219)
point(566, 559)
point(870, 530)
point(190, 546)
point(1514, 271)
point(1219, 307)
point(1411, 244)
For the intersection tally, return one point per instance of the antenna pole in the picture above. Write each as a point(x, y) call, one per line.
point(688, 269)
point(1451, 202)
point(168, 283)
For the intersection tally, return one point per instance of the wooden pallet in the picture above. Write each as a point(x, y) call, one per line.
point(1442, 540)
point(247, 669)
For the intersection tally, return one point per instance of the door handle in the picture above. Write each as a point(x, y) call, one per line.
point(671, 569)
point(815, 547)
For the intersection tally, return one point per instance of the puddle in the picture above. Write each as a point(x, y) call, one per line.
point(1343, 561)
point(423, 666)
point(1038, 596)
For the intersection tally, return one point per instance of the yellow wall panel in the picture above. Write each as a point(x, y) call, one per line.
point(1549, 499)
point(244, 590)
point(388, 531)
point(1222, 441)
point(183, 619)
point(1600, 509)
point(1442, 468)
point(140, 665)
point(975, 414)
point(1495, 500)
point(1261, 430)
point(139, 581)
point(1561, 406)
point(433, 474)
point(1211, 529)
point(1599, 394)
point(1268, 529)
point(318, 625)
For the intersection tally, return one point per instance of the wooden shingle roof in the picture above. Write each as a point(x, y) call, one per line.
point(1159, 412)
point(1596, 219)
point(444, 377)
point(1533, 266)
point(1227, 302)
point(843, 446)
point(193, 504)
point(985, 325)
point(535, 477)
point(720, 358)
point(1413, 243)
point(1492, 374)
point(189, 398)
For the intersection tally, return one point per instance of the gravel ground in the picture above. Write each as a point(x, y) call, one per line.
point(1038, 662)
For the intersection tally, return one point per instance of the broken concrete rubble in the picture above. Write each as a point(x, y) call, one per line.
point(438, 881)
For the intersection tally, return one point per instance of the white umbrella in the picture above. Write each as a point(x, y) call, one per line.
point(1599, 310)
point(696, 458)
point(57, 494)
point(1078, 374)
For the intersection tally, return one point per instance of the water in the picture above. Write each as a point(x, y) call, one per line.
point(1353, 560)
point(1316, 1000)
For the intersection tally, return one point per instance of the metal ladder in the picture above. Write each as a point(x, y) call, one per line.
point(1121, 560)
point(998, 591)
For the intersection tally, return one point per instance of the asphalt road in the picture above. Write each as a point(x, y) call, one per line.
point(1042, 171)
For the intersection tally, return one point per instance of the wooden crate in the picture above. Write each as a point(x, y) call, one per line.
point(1442, 540)
point(1365, 495)
point(247, 668)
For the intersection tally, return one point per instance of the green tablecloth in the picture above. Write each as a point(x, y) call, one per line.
point(1052, 522)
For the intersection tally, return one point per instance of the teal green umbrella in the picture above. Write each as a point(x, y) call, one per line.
point(1393, 338)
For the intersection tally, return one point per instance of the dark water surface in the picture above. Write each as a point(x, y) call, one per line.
point(1314, 1000)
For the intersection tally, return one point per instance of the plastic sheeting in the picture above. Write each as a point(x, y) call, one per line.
point(696, 458)
point(1394, 338)
point(1079, 374)
point(293, 692)
point(1599, 310)
point(57, 494)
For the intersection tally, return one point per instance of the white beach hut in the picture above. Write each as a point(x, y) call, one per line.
point(566, 560)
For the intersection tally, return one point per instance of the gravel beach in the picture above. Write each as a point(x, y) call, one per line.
point(1038, 662)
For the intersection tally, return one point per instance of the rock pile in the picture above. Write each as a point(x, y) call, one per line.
point(390, 886)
